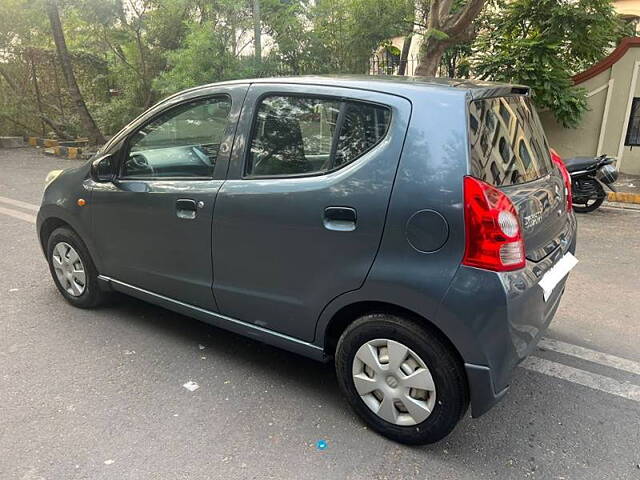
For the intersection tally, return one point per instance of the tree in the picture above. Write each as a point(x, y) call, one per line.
point(257, 31)
point(542, 43)
point(445, 23)
point(95, 136)
point(351, 30)
point(298, 47)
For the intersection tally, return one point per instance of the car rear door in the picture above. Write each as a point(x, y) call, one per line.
point(300, 217)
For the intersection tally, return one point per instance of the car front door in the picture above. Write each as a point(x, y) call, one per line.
point(300, 217)
point(152, 225)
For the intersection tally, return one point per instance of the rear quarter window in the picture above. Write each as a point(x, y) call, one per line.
point(508, 145)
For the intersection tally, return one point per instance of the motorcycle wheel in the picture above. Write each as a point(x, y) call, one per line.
point(592, 203)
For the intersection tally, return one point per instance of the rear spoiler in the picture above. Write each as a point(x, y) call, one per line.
point(499, 91)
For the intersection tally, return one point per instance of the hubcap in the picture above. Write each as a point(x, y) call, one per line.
point(69, 269)
point(394, 382)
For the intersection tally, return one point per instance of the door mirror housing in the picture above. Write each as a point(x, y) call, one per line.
point(103, 169)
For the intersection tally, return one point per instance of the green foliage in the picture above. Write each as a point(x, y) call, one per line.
point(542, 43)
point(332, 35)
point(204, 58)
point(455, 61)
point(435, 33)
point(126, 54)
point(350, 30)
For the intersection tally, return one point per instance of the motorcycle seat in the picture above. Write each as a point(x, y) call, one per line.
point(579, 163)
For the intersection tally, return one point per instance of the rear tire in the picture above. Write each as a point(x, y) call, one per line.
point(72, 269)
point(447, 397)
point(590, 207)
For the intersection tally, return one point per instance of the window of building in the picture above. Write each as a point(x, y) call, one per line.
point(633, 130)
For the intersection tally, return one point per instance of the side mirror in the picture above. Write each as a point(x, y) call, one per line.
point(103, 169)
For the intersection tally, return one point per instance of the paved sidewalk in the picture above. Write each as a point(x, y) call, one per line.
point(628, 183)
point(627, 190)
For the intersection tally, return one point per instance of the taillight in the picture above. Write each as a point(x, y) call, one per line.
point(565, 176)
point(493, 232)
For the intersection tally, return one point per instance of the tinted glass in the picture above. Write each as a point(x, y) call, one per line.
point(182, 142)
point(296, 135)
point(633, 130)
point(508, 145)
point(363, 127)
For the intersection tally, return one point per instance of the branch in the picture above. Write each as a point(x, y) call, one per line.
point(56, 127)
point(22, 125)
point(8, 79)
point(457, 24)
point(433, 20)
point(120, 54)
point(445, 8)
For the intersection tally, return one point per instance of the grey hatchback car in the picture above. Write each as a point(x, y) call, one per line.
point(418, 232)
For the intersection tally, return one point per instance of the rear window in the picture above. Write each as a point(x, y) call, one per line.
point(508, 146)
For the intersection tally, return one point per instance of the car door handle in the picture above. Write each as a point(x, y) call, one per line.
point(340, 219)
point(186, 208)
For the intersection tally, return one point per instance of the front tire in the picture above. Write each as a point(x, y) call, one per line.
point(401, 378)
point(72, 269)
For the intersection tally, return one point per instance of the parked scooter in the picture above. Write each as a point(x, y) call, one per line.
point(588, 175)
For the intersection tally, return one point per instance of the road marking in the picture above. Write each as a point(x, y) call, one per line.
point(16, 214)
point(18, 203)
point(590, 355)
point(582, 377)
point(632, 207)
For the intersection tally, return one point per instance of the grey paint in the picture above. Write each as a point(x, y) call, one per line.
point(142, 237)
point(272, 251)
point(258, 260)
point(427, 231)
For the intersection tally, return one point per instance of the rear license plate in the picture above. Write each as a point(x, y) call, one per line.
point(550, 280)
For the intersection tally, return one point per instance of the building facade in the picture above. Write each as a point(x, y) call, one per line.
point(612, 124)
point(629, 10)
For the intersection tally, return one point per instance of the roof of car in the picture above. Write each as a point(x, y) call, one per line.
point(395, 85)
point(392, 84)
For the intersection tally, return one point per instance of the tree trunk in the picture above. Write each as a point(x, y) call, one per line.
point(457, 26)
point(57, 85)
point(432, 51)
point(257, 31)
point(36, 88)
point(404, 54)
point(93, 132)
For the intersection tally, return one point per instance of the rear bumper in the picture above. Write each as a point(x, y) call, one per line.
point(482, 390)
point(506, 316)
point(487, 385)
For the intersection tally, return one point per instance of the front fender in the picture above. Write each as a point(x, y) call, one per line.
point(60, 204)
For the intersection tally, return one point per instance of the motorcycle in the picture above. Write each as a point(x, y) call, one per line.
point(588, 177)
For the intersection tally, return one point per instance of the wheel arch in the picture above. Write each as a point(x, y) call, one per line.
point(47, 228)
point(352, 311)
point(51, 217)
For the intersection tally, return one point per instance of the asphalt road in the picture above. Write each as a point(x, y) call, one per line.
point(99, 394)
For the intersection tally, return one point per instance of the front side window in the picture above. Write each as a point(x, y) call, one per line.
point(295, 135)
point(182, 142)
